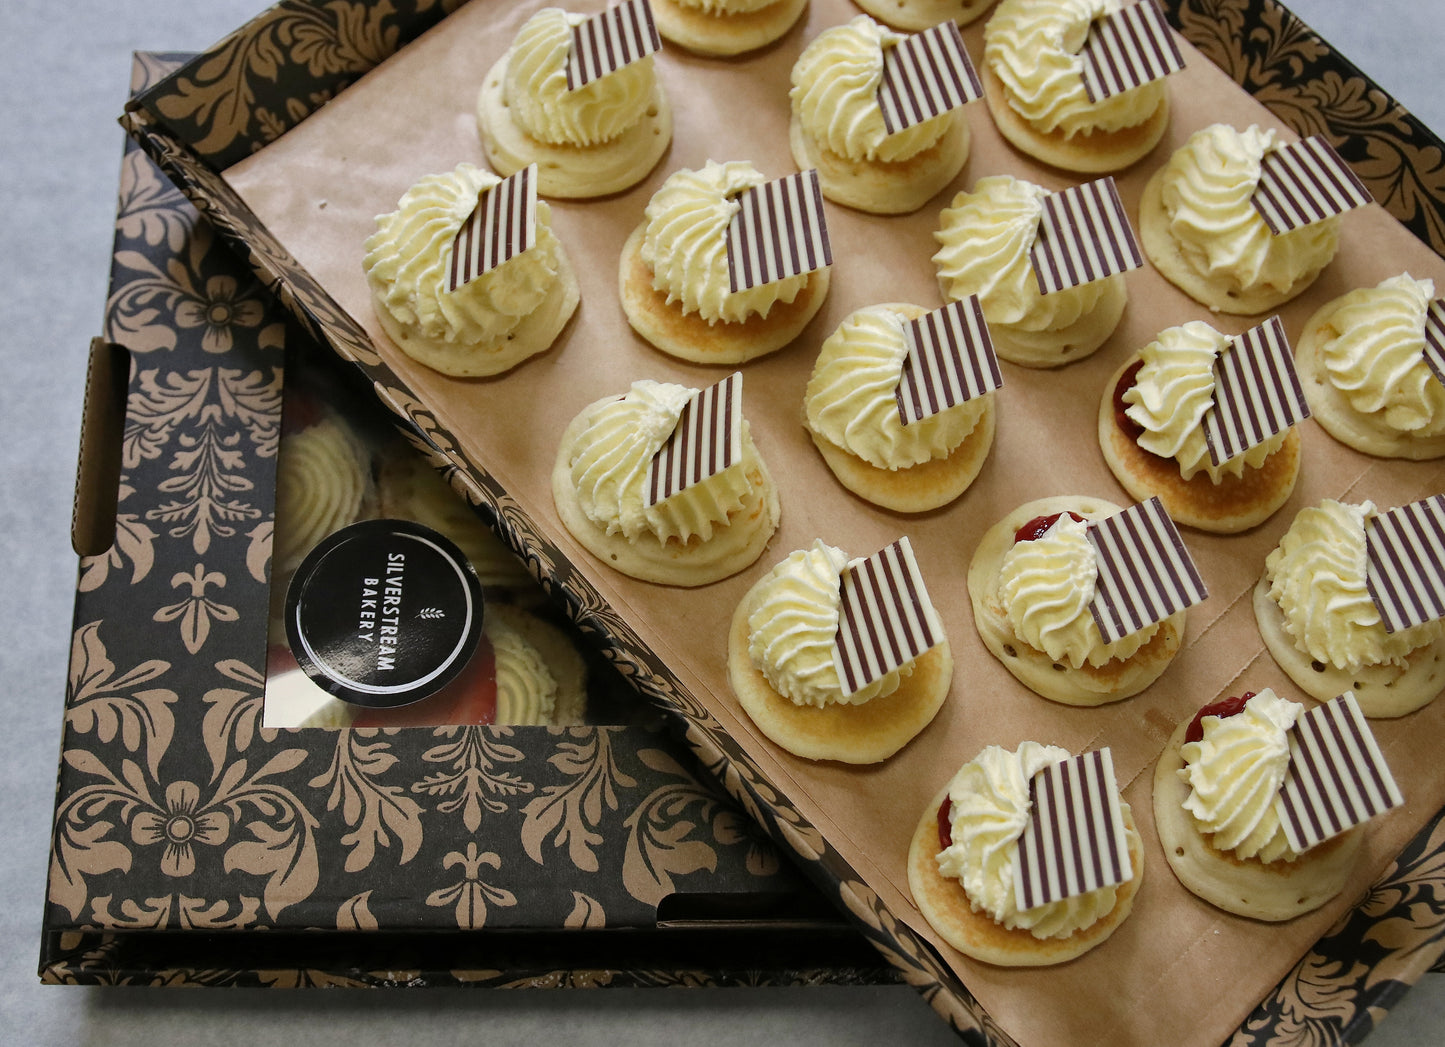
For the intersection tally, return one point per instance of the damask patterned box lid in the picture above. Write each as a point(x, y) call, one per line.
point(1257, 40)
point(179, 811)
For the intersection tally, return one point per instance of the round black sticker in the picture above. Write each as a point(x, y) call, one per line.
point(384, 613)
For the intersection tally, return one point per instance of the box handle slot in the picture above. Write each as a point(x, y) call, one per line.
point(97, 474)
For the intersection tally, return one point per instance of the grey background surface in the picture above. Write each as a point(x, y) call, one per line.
point(64, 70)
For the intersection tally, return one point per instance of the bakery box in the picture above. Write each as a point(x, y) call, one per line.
point(585, 854)
point(293, 177)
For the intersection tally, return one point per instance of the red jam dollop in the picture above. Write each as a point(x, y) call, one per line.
point(945, 824)
point(1127, 425)
point(1039, 526)
point(1222, 708)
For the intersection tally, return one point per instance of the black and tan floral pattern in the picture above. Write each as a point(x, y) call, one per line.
point(229, 103)
point(177, 809)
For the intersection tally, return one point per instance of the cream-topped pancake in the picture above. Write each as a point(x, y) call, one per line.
point(673, 275)
point(1151, 430)
point(838, 127)
point(1214, 807)
point(485, 326)
point(725, 27)
point(1361, 358)
point(1198, 227)
point(961, 867)
point(782, 670)
point(600, 138)
point(984, 238)
point(1034, 86)
point(701, 534)
point(851, 411)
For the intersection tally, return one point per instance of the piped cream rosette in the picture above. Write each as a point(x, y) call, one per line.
point(837, 126)
point(782, 669)
point(1198, 227)
point(1031, 607)
point(485, 326)
point(673, 275)
point(1034, 87)
point(1214, 808)
point(984, 239)
point(1319, 622)
point(1151, 430)
point(915, 15)
point(699, 535)
point(1361, 359)
point(601, 138)
point(324, 481)
point(965, 889)
point(851, 411)
point(725, 27)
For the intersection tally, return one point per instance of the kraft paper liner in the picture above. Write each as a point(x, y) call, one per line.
point(414, 115)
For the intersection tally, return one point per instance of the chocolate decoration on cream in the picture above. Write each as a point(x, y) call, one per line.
point(1304, 183)
point(1128, 49)
point(779, 231)
point(950, 360)
point(500, 227)
point(608, 41)
point(1337, 776)
point(1405, 563)
point(925, 76)
point(1257, 393)
point(885, 618)
point(707, 440)
point(1075, 841)
point(1145, 572)
point(1084, 235)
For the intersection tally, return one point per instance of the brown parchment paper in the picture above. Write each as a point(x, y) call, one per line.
point(1178, 971)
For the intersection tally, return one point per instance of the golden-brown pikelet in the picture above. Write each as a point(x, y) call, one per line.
point(723, 28)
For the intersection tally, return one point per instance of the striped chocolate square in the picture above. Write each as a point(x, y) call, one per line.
point(1075, 840)
point(885, 618)
point(950, 360)
point(1084, 235)
point(608, 41)
point(779, 231)
point(1145, 572)
point(1257, 393)
point(1435, 338)
point(708, 438)
point(1337, 777)
point(926, 75)
point(501, 226)
point(1405, 563)
point(1128, 49)
point(1304, 183)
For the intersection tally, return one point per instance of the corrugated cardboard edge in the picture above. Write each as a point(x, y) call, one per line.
point(1223, 31)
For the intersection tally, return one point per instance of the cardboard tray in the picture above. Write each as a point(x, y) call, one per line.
point(192, 846)
point(227, 105)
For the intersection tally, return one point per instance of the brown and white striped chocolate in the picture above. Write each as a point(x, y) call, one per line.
point(708, 438)
point(1128, 49)
point(1075, 840)
point(1304, 183)
point(1405, 563)
point(1145, 572)
point(1257, 393)
point(1337, 776)
point(950, 360)
point(778, 231)
point(1084, 235)
point(885, 618)
point(925, 76)
point(500, 227)
point(1435, 338)
point(608, 41)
